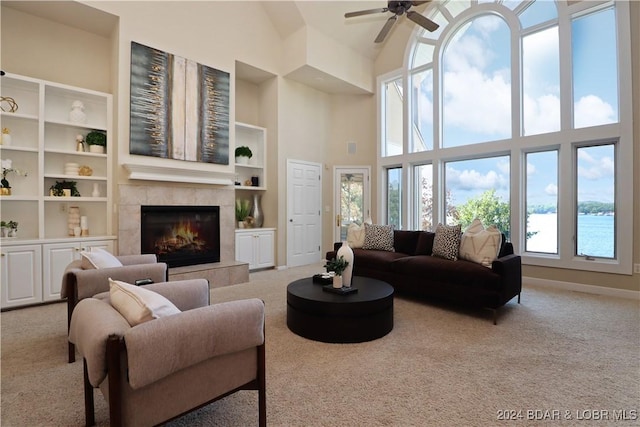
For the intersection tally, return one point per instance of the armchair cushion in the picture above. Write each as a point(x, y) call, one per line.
point(167, 345)
point(137, 304)
point(94, 320)
point(99, 258)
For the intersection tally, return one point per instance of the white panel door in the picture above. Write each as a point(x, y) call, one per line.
point(56, 258)
point(21, 275)
point(304, 199)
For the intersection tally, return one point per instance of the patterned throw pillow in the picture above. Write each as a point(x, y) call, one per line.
point(379, 237)
point(480, 245)
point(446, 242)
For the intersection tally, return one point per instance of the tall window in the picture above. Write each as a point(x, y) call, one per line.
point(394, 197)
point(596, 208)
point(541, 227)
point(478, 188)
point(393, 100)
point(424, 186)
point(595, 71)
point(519, 113)
point(476, 83)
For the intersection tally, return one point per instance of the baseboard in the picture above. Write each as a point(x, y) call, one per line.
point(580, 287)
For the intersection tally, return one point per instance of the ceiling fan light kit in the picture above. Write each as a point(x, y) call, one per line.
point(398, 8)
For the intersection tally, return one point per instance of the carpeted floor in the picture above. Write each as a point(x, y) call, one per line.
point(558, 354)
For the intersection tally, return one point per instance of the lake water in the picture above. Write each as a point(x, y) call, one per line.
point(595, 234)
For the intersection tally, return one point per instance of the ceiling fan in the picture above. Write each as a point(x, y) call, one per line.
point(397, 8)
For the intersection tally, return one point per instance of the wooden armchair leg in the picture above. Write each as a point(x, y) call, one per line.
point(262, 387)
point(89, 414)
point(72, 352)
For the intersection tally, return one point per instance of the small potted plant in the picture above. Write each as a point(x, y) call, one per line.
point(9, 229)
point(242, 212)
point(337, 265)
point(96, 140)
point(243, 154)
point(7, 167)
point(64, 189)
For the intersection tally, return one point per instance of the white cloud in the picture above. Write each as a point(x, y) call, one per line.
point(477, 102)
point(591, 110)
point(551, 190)
point(594, 169)
point(541, 115)
point(531, 169)
point(470, 179)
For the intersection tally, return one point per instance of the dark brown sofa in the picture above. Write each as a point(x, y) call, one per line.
point(412, 270)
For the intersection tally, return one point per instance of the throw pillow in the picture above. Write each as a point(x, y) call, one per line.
point(446, 241)
point(98, 258)
point(480, 245)
point(355, 235)
point(378, 237)
point(139, 305)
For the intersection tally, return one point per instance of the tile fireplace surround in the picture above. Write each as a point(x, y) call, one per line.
point(132, 197)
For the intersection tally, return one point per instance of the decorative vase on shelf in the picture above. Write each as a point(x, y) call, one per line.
point(73, 219)
point(96, 190)
point(256, 211)
point(77, 115)
point(6, 136)
point(346, 252)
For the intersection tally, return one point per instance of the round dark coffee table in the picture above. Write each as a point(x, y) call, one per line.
point(323, 316)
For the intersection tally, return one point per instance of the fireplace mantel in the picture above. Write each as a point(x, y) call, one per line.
point(174, 174)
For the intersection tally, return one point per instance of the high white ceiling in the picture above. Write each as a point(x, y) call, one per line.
point(327, 17)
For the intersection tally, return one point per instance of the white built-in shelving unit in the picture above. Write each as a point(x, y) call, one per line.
point(43, 140)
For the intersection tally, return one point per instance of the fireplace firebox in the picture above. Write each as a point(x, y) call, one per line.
point(181, 235)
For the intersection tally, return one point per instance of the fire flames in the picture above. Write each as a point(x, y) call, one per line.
point(183, 237)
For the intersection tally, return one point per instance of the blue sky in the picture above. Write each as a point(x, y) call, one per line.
point(477, 62)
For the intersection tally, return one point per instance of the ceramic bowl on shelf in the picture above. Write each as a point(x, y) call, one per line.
point(71, 168)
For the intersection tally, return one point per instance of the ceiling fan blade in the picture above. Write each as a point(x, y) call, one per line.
point(427, 24)
point(365, 12)
point(385, 30)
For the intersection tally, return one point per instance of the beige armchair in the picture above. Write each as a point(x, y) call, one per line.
point(78, 283)
point(166, 367)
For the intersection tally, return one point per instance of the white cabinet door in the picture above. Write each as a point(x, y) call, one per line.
point(264, 249)
point(245, 248)
point(256, 247)
point(21, 275)
point(57, 256)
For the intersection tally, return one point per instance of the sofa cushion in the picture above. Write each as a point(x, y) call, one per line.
point(379, 237)
point(365, 259)
point(446, 242)
point(425, 243)
point(138, 305)
point(406, 241)
point(98, 258)
point(480, 245)
point(435, 269)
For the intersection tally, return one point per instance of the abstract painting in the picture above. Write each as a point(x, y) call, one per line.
point(179, 108)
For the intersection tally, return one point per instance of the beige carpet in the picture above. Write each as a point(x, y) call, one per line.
point(558, 350)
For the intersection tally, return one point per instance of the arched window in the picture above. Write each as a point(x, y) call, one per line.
point(519, 111)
